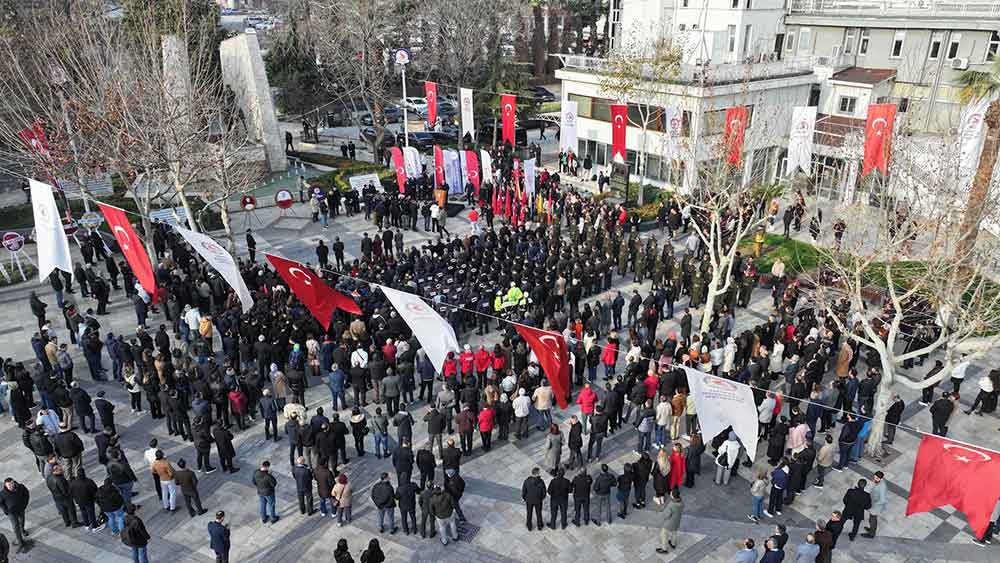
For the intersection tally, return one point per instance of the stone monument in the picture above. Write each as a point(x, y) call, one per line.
point(243, 70)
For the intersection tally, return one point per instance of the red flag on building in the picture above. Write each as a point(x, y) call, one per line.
point(312, 291)
point(619, 124)
point(399, 164)
point(472, 169)
point(431, 95)
point(131, 246)
point(965, 477)
point(553, 357)
point(736, 123)
point(438, 166)
point(878, 138)
point(508, 107)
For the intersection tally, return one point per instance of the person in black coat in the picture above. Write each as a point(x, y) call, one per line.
point(533, 493)
point(83, 407)
point(402, 461)
point(427, 511)
point(224, 447)
point(856, 502)
point(14, 498)
point(218, 534)
point(303, 476)
point(406, 494)
point(559, 489)
point(454, 485)
point(384, 499)
point(84, 492)
point(59, 488)
point(575, 443)
point(426, 464)
point(105, 411)
point(581, 497)
point(640, 476)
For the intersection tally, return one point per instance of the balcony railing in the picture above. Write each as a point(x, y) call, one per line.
point(926, 8)
point(707, 73)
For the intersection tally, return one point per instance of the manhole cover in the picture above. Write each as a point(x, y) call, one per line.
point(467, 532)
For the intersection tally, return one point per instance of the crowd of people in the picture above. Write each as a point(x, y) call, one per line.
point(212, 372)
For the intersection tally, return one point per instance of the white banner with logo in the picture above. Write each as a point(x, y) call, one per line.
point(567, 126)
point(800, 140)
point(529, 178)
point(221, 260)
point(435, 335)
point(53, 247)
point(673, 131)
point(971, 133)
point(487, 163)
point(413, 162)
point(468, 125)
point(722, 403)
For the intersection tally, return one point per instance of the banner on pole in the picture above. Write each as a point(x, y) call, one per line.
point(568, 139)
point(53, 247)
point(221, 260)
point(721, 403)
point(468, 125)
point(434, 333)
point(800, 140)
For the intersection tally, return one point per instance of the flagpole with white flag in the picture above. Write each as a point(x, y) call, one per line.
point(433, 332)
point(800, 140)
point(722, 403)
point(53, 246)
point(468, 125)
point(221, 260)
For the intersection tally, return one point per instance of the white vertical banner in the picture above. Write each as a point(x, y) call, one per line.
point(850, 179)
point(529, 178)
point(468, 125)
point(453, 172)
point(434, 333)
point(221, 260)
point(53, 247)
point(800, 140)
point(412, 161)
point(971, 132)
point(567, 126)
point(487, 164)
point(673, 129)
point(721, 403)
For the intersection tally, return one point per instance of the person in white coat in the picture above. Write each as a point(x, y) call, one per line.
point(880, 500)
point(765, 414)
point(729, 356)
point(776, 362)
point(728, 456)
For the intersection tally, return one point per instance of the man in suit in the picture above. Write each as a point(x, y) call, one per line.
point(856, 502)
point(218, 533)
point(533, 493)
point(304, 486)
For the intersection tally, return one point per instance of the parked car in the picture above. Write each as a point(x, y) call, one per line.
point(418, 139)
point(418, 105)
point(392, 114)
point(486, 134)
point(445, 136)
point(368, 134)
point(542, 95)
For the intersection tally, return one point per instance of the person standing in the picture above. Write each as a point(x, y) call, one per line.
point(84, 492)
point(134, 535)
point(265, 484)
point(824, 539)
point(807, 551)
point(880, 498)
point(856, 502)
point(218, 534)
point(112, 504)
point(559, 489)
point(602, 488)
point(427, 511)
point(187, 482)
point(406, 495)
point(165, 471)
point(748, 553)
point(582, 484)
point(383, 497)
point(14, 499)
point(575, 443)
point(824, 460)
point(59, 488)
point(70, 449)
point(941, 411)
point(443, 507)
point(758, 489)
point(533, 493)
point(772, 553)
point(304, 486)
point(779, 482)
point(671, 522)
point(343, 494)
point(727, 458)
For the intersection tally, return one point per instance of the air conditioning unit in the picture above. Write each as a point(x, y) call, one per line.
point(959, 64)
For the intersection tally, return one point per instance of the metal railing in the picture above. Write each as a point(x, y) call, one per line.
point(945, 8)
point(708, 72)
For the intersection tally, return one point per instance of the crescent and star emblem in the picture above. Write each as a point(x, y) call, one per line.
point(507, 108)
point(305, 277)
point(964, 458)
point(878, 125)
point(124, 235)
point(619, 120)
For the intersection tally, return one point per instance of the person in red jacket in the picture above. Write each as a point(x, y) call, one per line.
point(609, 357)
point(486, 422)
point(450, 368)
point(238, 403)
point(483, 361)
point(499, 360)
point(466, 360)
point(586, 399)
point(652, 383)
point(389, 352)
point(678, 466)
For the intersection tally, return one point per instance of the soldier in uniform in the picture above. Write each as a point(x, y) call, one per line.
point(697, 288)
point(639, 260)
point(623, 258)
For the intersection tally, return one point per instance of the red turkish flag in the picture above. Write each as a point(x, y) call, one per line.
point(506, 204)
point(431, 95)
point(878, 138)
point(438, 166)
point(34, 138)
point(312, 290)
point(508, 107)
point(549, 207)
point(496, 200)
point(131, 246)
point(398, 164)
point(619, 124)
point(965, 477)
point(736, 124)
point(553, 356)
point(472, 169)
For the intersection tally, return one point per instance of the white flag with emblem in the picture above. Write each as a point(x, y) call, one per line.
point(434, 333)
point(222, 261)
point(529, 178)
point(971, 132)
point(567, 126)
point(53, 247)
point(673, 131)
point(800, 140)
point(468, 126)
point(721, 403)
point(487, 164)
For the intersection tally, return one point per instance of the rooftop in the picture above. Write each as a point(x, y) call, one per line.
point(861, 75)
point(888, 8)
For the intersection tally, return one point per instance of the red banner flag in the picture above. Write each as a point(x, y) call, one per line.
point(312, 290)
point(965, 477)
point(506, 203)
point(548, 207)
point(472, 169)
point(34, 138)
point(131, 246)
point(736, 122)
point(619, 123)
point(878, 138)
point(508, 107)
point(431, 95)
point(553, 356)
point(438, 166)
point(496, 200)
point(400, 166)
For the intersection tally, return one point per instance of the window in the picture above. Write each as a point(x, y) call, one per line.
point(956, 41)
point(936, 38)
point(731, 30)
point(736, 4)
point(584, 105)
point(993, 46)
point(882, 100)
point(897, 45)
point(865, 37)
point(903, 105)
point(747, 33)
point(714, 122)
point(804, 40)
point(849, 41)
point(847, 105)
point(748, 4)
point(685, 3)
point(681, 27)
point(790, 42)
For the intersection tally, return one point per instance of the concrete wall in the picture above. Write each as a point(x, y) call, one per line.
point(243, 71)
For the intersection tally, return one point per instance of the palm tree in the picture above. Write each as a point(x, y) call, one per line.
point(976, 85)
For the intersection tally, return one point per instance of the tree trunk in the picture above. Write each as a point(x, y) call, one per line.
point(981, 183)
point(553, 43)
point(569, 33)
point(883, 399)
point(538, 39)
point(227, 226)
point(710, 295)
point(179, 189)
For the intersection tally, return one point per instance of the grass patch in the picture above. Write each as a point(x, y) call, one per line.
point(15, 276)
point(798, 256)
point(345, 168)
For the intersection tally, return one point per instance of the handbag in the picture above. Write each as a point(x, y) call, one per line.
point(723, 459)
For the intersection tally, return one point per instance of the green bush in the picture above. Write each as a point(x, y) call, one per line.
point(798, 256)
point(15, 276)
point(21, 216)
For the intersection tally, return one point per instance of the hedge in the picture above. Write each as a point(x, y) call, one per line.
point(345, 168)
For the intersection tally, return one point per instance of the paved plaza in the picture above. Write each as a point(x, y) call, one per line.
point(714, 518)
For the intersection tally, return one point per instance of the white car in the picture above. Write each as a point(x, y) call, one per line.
point(418, 105)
